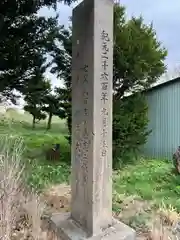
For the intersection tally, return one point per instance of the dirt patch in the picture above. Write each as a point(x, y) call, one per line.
point(149, 224)
point(57, 198)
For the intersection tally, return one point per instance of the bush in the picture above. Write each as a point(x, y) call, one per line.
point(130, 132)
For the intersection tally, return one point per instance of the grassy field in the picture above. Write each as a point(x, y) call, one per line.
point(140, 190)
point(35, 142)
point(152, 180)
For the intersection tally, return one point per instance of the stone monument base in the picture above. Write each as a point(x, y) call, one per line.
point(66, 229)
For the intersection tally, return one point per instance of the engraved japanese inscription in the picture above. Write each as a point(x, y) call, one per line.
point(104, 90)
point(104, 98)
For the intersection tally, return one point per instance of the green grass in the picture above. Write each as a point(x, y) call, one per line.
point(36, 141)
point(150, 179)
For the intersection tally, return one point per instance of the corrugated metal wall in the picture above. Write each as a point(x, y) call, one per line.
point(164, 116)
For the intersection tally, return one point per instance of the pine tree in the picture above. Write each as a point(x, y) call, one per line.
point(35, 93)
point(24, 38)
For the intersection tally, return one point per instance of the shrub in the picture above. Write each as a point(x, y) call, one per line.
point(130, 131)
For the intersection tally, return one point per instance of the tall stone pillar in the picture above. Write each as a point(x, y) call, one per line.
point(92, 68)
point(92, 74)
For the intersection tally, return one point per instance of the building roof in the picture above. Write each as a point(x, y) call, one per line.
point(163, 84)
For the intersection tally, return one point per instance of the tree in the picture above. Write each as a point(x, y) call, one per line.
point(36, 111)
point(138, 55)
point(25, 52)
point(138, 63)
point(64, 96)
point(52, 106)
point(62, 67)
point(24, 37)
point(130, 127)
point(34, 97)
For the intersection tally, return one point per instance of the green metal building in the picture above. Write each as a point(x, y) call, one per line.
point(164, 119)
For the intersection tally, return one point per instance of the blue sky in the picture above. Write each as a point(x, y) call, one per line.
point(165, 17)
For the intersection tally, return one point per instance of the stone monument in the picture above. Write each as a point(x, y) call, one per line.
point(92, 72)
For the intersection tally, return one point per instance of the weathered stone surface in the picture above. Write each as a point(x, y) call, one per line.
point(92, 114)
point(68, 229)
point(92, 73)
point(176, 160)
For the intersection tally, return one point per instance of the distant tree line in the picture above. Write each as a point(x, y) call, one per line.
point(26, 39)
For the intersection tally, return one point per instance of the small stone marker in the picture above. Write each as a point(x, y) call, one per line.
point(92, 73)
